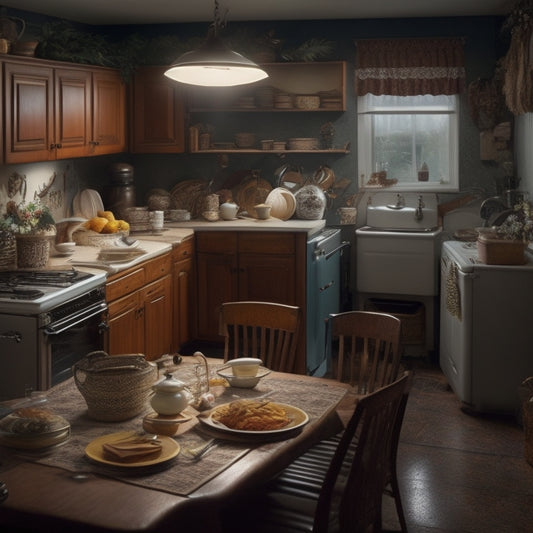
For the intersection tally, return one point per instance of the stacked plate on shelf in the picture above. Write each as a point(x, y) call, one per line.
point(283, 101)
point(87, 203)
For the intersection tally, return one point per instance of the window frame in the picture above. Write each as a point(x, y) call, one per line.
point(365, 148)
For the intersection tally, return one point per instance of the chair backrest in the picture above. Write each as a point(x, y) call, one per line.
point(365, 348)
point(268, 331)
point(352, 492)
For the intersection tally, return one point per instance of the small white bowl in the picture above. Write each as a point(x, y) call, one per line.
point(244, 366)
point(65, 247)
point(243, 382)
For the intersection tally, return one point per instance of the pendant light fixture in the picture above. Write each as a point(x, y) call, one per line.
point(214, 64)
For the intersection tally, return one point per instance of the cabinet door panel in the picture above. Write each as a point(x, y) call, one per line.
point(126, 326)
point(267, 278)
point(217, 283)
point(158, 124)
point(73, 112)
point(109, 120)
point(182, 284)
point(29, 122)
point(157, 300)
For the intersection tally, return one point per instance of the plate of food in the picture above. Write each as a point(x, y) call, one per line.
point(132, 450)
point(255, 417)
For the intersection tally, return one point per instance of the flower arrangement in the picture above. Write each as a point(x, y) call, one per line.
point(24, 218)
point(519, 225)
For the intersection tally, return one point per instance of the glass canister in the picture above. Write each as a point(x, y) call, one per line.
point(310, 202)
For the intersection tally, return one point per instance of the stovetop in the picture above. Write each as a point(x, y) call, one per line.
point(466, 257)
point(37, 291)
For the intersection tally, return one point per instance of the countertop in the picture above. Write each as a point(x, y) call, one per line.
point(251, 224)
point(86, 257)
point(173, 234)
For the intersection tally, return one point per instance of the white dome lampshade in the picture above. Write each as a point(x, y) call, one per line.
point(214, 64)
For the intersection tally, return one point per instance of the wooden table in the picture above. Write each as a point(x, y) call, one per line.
point(46, 498)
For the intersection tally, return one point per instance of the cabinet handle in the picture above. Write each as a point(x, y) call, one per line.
point(94, 143)
point(53, 146)
point(15, 336)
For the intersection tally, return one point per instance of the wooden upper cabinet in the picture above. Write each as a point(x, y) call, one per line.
point(59, 112)
point(29, 117)
point(109, 113)
point(73, 106)
point(158, 113)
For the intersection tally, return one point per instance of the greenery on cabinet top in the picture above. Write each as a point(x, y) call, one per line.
point(65, 41)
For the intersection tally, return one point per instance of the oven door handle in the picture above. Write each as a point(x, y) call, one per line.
point(344, 244)
point(55, 328)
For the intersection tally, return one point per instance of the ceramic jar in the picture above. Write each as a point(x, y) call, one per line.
point(228, 211)
point(171, 396)
point(310, 202)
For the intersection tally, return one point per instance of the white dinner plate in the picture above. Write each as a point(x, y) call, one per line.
point(298, 419)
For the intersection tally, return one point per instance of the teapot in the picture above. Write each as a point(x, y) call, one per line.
point(228, 211)
point(171, 396)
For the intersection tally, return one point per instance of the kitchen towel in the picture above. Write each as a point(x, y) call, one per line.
point(453, 295)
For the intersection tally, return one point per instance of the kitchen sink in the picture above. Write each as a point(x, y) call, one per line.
point(402, 212)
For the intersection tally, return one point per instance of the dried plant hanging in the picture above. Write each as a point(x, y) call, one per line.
point(518, 84)
point(486, 101)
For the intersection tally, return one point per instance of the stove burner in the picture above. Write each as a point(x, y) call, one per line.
point(20, 294)
point(42, 278)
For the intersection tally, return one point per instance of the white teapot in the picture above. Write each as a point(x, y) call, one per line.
point(171, 396)
point(228, 211)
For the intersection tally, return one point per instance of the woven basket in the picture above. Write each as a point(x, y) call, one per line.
point(33, 251)
point(115, 388)
point(8, 251)
point(85, 237)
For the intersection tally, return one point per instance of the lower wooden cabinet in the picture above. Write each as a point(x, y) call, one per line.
point(140, 309)
point(182, 293)
point(241, 265)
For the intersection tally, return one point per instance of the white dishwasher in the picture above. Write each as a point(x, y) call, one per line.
point(486, 328)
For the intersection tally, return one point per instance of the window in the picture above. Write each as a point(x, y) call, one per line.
point(398, 134)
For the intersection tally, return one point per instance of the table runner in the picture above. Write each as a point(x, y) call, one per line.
point(179, 476)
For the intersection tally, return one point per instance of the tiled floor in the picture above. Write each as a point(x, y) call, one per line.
point(458, 472)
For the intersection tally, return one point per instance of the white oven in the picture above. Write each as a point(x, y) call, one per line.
point(47, 323)
point(486, 333)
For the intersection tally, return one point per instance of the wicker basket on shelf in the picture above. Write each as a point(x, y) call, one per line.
point(115, 388)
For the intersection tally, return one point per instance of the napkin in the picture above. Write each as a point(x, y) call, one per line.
point(132, 449)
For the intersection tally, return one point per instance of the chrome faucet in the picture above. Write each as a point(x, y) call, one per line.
point(419, 214)
point(400, 201)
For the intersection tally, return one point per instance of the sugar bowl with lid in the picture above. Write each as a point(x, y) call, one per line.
point(171, 396)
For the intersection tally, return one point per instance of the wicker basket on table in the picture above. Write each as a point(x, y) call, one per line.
point(115, 388)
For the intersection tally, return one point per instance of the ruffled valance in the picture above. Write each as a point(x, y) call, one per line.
point(409, 67)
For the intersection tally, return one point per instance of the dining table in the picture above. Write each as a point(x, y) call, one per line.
point(65, 488)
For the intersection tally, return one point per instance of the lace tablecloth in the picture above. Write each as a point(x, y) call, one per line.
point(180, 475)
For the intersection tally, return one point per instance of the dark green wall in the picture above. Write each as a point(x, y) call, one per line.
point(483, 46)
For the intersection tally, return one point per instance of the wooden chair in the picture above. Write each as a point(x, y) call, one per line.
point(340, 488)
point(365, 348)
point(268, 331)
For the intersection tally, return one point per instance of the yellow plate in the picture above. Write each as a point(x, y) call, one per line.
point(298, 419)
point(95, 450)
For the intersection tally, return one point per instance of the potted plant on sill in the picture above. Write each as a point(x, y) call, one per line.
point(32, 225)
